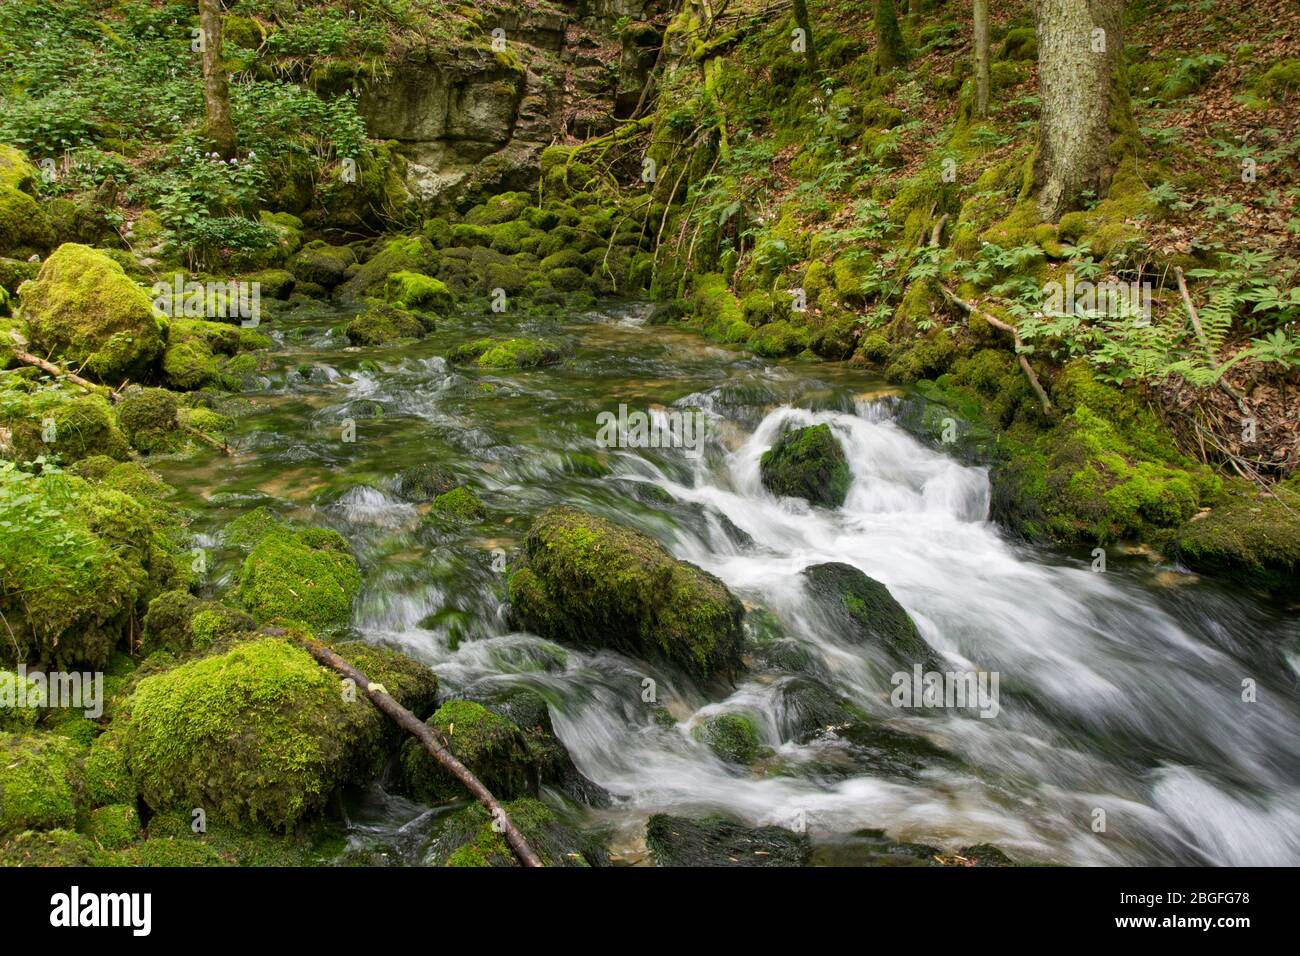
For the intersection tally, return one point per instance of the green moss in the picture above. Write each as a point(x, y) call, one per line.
point(17, 171)
point(778, 339)
point(733, 737)
point(61, 848)
point(105, 777)
point(251, 527)
point(384, 324)
point(83, 307)
point(114, 827)
point(410, 254)
point(25, 229)
point(807, 463)
point(716, 308)
point(1248, 536)
point(258, 735)
point(77, 582)
point(412, 290)
point(148, 418)
point(35, 788)
point(468, 839)
point(491, 746)
point(172, 841)
point(15, 687)
point(596, 583)
point(425, 481)
point(460, 504)
point(1281, 80)
point(322, 264)
point(863, 611)
point(715, 841)
point(179, 622)
point(307, 575)
point(77, 425)
point(507, 353)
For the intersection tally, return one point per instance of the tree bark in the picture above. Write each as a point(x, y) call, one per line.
point(216, 88)
point(1081, 80)
point(805, 23)
point(981, 18)
point(420, 731)
point(891, 51)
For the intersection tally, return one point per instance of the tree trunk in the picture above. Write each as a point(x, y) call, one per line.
point(1082, 87)
point(805, 23)
point(216, 90)
point(981, 59)
point(891, 52)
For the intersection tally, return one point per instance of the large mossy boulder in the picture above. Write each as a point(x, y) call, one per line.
point(384, 324)
point(592, 582)
point(732, 737)
point(490, 745)
point(306, 575)
point(807, 463)
point(25, 229)
point(468, 839)
point(83, 307)
point(715, 841)
point(321, 264)
point(178, 622)
point(262, 734)
point(1251, 537)
point(410, 254)
point(36, 790)
point(76, 578)
point(863, 612)
point(62, 423)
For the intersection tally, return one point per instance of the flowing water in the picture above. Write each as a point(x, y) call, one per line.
point(1119, 691)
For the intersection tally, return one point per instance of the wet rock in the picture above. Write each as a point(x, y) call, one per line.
point(425, 481)
point(469, 839)
point(732, 737)
point(490, 745)
point(862, 610)
point(715, 841)
point(807, 463)
point(587, 580)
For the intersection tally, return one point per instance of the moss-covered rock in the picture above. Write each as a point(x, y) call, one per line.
point(61, 422)
point(61, 848)
point(261, 734)
point(778, 339)
point(732, 737)
point(114, 827)
point(81, 306)
point(585, 579)
point(715, 841)
point(1249, 536)
point(148, 419)
point(78, 580)
point(411, 254)
point(468, 838)
point(306, 575)
point(384, 324)
point(25, 229)
point(491, 746)
point(35, 788)
point(179, 622)
point(413, 290)
point(460, 504)
point(506, 353)
point(807, 463)
point(425, 481)
point(863, 611)
point(321, 264)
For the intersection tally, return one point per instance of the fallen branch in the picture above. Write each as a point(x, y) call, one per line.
point(27, 358)
point(1015, 334)
point(421, 732)
point(1205, 342)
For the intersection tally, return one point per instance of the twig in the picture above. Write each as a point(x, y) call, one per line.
point(1015, 334)
point(27, 358)
point(1205, 342)
point(421, 732)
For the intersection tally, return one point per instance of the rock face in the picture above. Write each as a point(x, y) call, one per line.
point(807, 463)
point(474, 123)
point(588, 581)
point(863, 609)
point(713, 841)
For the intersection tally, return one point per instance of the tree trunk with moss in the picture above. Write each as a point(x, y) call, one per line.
point(216, 89)
point(1084, 101)
point(981, 17)
point(891, 51)
point(805, 24)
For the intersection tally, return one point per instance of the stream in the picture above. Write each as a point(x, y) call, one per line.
point(1119, 691)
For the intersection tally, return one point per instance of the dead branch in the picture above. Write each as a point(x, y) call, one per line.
point(1015, 334)
point(1205, 342)
point(421, 732)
